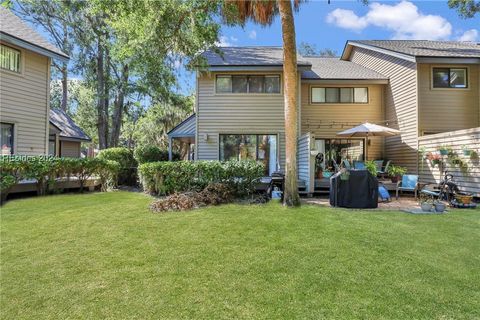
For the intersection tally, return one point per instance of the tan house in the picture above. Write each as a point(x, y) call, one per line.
point(427, 89)
point(25, 59)
point(65, 137)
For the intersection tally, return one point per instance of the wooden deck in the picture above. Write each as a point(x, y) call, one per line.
point(64, 183)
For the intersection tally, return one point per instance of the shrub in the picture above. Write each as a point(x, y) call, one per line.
point(45, 170)
point(170, 177)
point(127, 174)
point(145, 154)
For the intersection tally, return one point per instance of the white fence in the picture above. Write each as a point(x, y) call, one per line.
point(456, 140)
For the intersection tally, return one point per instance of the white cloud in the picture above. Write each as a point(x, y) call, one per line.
point(469, 35)
point(347, 19)
point(252, 34)
point(223, 41)
point(404, 19)
point(233, 39)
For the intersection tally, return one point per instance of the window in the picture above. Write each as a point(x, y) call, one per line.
point(250, 146)
point(248, 84)
point(450, 78)
point(339, 95)
point(6, 137)
point(9, 58)
point(52, 146)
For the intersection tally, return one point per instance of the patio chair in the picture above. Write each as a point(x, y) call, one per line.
point(359, 165)
point(384, 172)
point(409, 183)
point(346, 164)
point(379, 165)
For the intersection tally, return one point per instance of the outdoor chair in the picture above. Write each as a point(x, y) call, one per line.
point(359, 165)
point(346, 164)
point(384, 172)
point(378, 165)
point(409, 183)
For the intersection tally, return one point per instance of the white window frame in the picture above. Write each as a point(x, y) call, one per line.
point(339, 92)
point(247, 75)
point(467, 68)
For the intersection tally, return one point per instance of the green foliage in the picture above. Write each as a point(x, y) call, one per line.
point(124, 157)
point(371, 167)
point(169, 177)
point(45, 170)
point(146, 154)
point(465, 8)
point(396, 171)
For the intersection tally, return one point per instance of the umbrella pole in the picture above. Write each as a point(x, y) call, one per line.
point(366, 148)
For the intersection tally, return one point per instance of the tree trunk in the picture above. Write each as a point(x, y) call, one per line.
point(63, 104)
point(106, 94)
point(119, 107)
point(101, 118)
point(64, 70)
point(291, 196)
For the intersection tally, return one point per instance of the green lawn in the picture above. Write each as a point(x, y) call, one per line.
point(104, 255)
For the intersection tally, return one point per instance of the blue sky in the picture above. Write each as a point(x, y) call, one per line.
point(331, 25)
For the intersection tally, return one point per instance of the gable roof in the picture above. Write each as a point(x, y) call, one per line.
point(186, 128)
point(419, 48)
point(17, 32)
point(249, 56)
point(68, 128)
point(335, 69)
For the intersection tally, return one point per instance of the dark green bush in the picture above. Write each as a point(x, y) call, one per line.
point(45, 170)
point(169, 177)
point(127, 174)
point(146, 154)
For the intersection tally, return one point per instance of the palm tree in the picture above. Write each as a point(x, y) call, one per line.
point(263, 12)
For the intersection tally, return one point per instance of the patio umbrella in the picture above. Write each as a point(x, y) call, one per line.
point(366, 130)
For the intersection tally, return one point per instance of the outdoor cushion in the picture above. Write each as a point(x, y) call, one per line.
point(409, 182)
point(359, 165)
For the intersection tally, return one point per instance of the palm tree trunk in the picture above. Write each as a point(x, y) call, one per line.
point(291, 196)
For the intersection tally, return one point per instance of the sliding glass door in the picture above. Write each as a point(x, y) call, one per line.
point(259, 147)
point(337, 150)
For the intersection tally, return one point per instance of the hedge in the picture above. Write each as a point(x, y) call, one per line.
point(146, 154)
point(128, 165)
point(45, 170)
point(165, 178)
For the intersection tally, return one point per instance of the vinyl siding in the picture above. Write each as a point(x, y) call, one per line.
point(319, 119)
point(442, 110)
point(456, 140)
point(70, 149)
point(235, 114)
point(305, 161)
point(23, 102)
point(400, 103)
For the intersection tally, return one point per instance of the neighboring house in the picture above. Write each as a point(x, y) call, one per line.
point(419, 87)
point(65, 137)
point(25, 59)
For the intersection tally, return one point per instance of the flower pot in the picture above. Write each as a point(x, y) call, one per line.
point(395, 179)
point(467, 152)
point(427, 207)
point(443, 152)
point(439, 206)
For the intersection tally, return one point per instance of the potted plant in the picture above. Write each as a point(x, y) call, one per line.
point(345, 175)
point(466, 151)
point(439, 206)
point(443, 150)
point(434, 158)
point(395, 173)
point(371, 167)
point(426, 203)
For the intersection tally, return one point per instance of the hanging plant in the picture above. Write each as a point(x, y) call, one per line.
point(435, 158)
point(443, 150)
point(466, 151)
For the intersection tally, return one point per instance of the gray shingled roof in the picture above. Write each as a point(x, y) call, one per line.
point(13, 26)
point(69, 129)
point(334, 68)
point(249, 56)
point(427, 48)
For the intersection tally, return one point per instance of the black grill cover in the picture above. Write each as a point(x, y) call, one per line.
point(359, 191)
